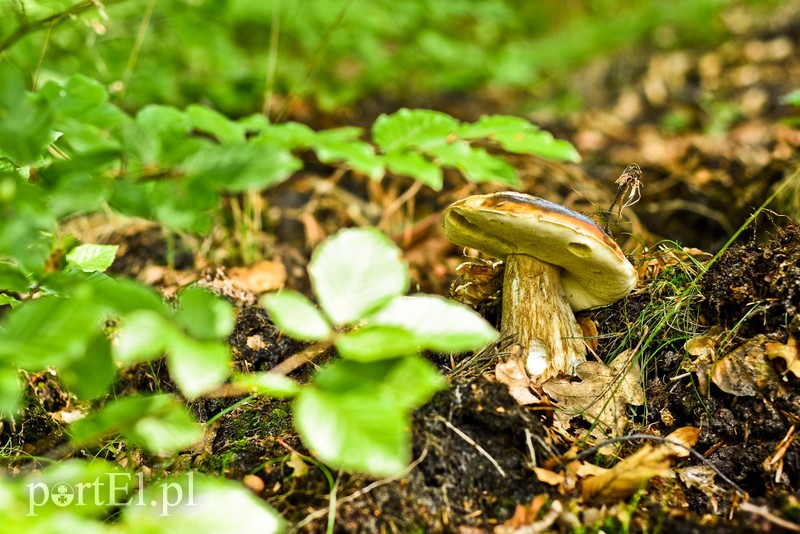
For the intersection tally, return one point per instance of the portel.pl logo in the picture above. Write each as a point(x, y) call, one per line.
point(110, 491)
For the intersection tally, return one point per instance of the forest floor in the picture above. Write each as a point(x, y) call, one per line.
point(716, 334)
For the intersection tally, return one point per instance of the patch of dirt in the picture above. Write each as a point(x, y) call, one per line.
point(257, 345)
point(473, 446)
point(755, 286)
point(143, 246)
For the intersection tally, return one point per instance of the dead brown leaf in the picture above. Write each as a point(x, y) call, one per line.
point(299, 466)
point(745, 371)
point(512, 373)
point(789, 353)
point(548, 477)
point(589, 331)
point(524, 519)
point(602, 394)
point(703, 350)
point(625, 478)
point(630, 474)
point(525, 515)
point(687, 436)
point(260, 277)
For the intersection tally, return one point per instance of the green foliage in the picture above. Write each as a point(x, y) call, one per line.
point(189, 503)
point(214, 505)
point(355, 415)
point(419, 142)
point(333, 51)
point(158, 423)
point(792, 98)
point(92, 257)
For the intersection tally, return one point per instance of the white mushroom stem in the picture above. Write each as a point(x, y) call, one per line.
point(538, 317)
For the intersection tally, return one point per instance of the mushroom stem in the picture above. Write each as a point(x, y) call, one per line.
point(537, 315)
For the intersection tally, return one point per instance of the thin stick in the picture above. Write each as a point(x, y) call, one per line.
point(764, 513)
point(472, 442)
point(48, 22)
point(299, 359)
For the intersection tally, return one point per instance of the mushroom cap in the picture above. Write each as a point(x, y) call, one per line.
point(595, 272)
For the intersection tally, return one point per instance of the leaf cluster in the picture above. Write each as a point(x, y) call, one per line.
point(355, 415)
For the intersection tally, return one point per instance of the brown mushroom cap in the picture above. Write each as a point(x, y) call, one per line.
point(595, 272)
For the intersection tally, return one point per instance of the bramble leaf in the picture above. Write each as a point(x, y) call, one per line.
point(356, 272)
point(294, 314)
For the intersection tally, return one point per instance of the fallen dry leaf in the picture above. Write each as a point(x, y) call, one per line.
point(256, 342)
point(260, 277)
point(745, 371)
point(703, 351)
point(524, 519)
point(686, 436)
point(625, 478)
point(525, 515)
point(630, 474)
point(512, 373)
point(602, 394)
point(789, 353)
point(703, 348)
point(548, 477)
point(298, 465)
point(589, 331)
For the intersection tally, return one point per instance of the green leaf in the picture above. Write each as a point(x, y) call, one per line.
point(144, 335)
point(267, 384)
point(28, 223)
point(291, 135)
point(296, 315)
point(10, 389)
point(126, 296)
point(356, 415)
point(517, 135)
point(237, 168)
point(197, 366)
point(50, 331)
point(416, 166)
point(184, 204)
point(165, 121)
point(25, 124)
point(212, 122)
point(204, 315)
point(355, 272)
point(375, 342)
point(405, 382)
point(159, 423)
point(7, 300)
point(437, 323)
point(197, 504)
point(352, 432)
point(92, 257)
point(90, 375)
point(419, 128)
point(792, 98)
point(476, 164)
point(343, 144)
point(12, 279)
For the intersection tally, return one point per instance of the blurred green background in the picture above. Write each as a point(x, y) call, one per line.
point(242, 56)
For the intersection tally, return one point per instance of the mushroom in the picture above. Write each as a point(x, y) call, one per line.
point(557, 261)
